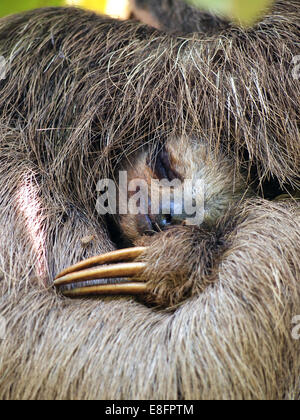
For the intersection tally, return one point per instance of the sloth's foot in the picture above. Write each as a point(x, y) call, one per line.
point(104, 274)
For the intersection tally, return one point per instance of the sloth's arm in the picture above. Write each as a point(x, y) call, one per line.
point(175, 265)
point(180, 263)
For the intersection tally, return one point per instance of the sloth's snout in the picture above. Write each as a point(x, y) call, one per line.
point(165, 220)
point(150, 223)
point(171, 214)
point(162, 221)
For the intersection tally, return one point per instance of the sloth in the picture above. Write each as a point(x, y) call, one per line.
point(211, 303)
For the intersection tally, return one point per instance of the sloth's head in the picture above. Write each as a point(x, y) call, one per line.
point(183, 182)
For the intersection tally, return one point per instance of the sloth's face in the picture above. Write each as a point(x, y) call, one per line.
point(194, 186)
point(184, 183)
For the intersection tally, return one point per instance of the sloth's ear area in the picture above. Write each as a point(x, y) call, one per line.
point(104, 274)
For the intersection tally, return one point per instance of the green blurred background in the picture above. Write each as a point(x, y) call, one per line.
point(14, 6)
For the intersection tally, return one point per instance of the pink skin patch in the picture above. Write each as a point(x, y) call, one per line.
point(31, 210)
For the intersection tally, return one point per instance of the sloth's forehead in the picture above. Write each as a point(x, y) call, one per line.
point(186, 155)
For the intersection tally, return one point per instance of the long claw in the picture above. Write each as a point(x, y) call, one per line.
point(108, 289)
point(108, 271)
point(119, 255)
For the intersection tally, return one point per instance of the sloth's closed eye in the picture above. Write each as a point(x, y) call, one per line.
point(161, 166)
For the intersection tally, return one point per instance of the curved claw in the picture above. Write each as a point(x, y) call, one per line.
point(108, 289)
point(108, 271)
point(119, 255)
point(90, 275)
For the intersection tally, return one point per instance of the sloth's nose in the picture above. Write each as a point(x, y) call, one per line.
point(170, 215)
point(165, 220)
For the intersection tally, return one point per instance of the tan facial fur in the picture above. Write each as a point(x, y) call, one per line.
point(190, 159)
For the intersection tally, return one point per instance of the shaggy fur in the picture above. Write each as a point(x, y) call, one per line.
point(84, 93)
